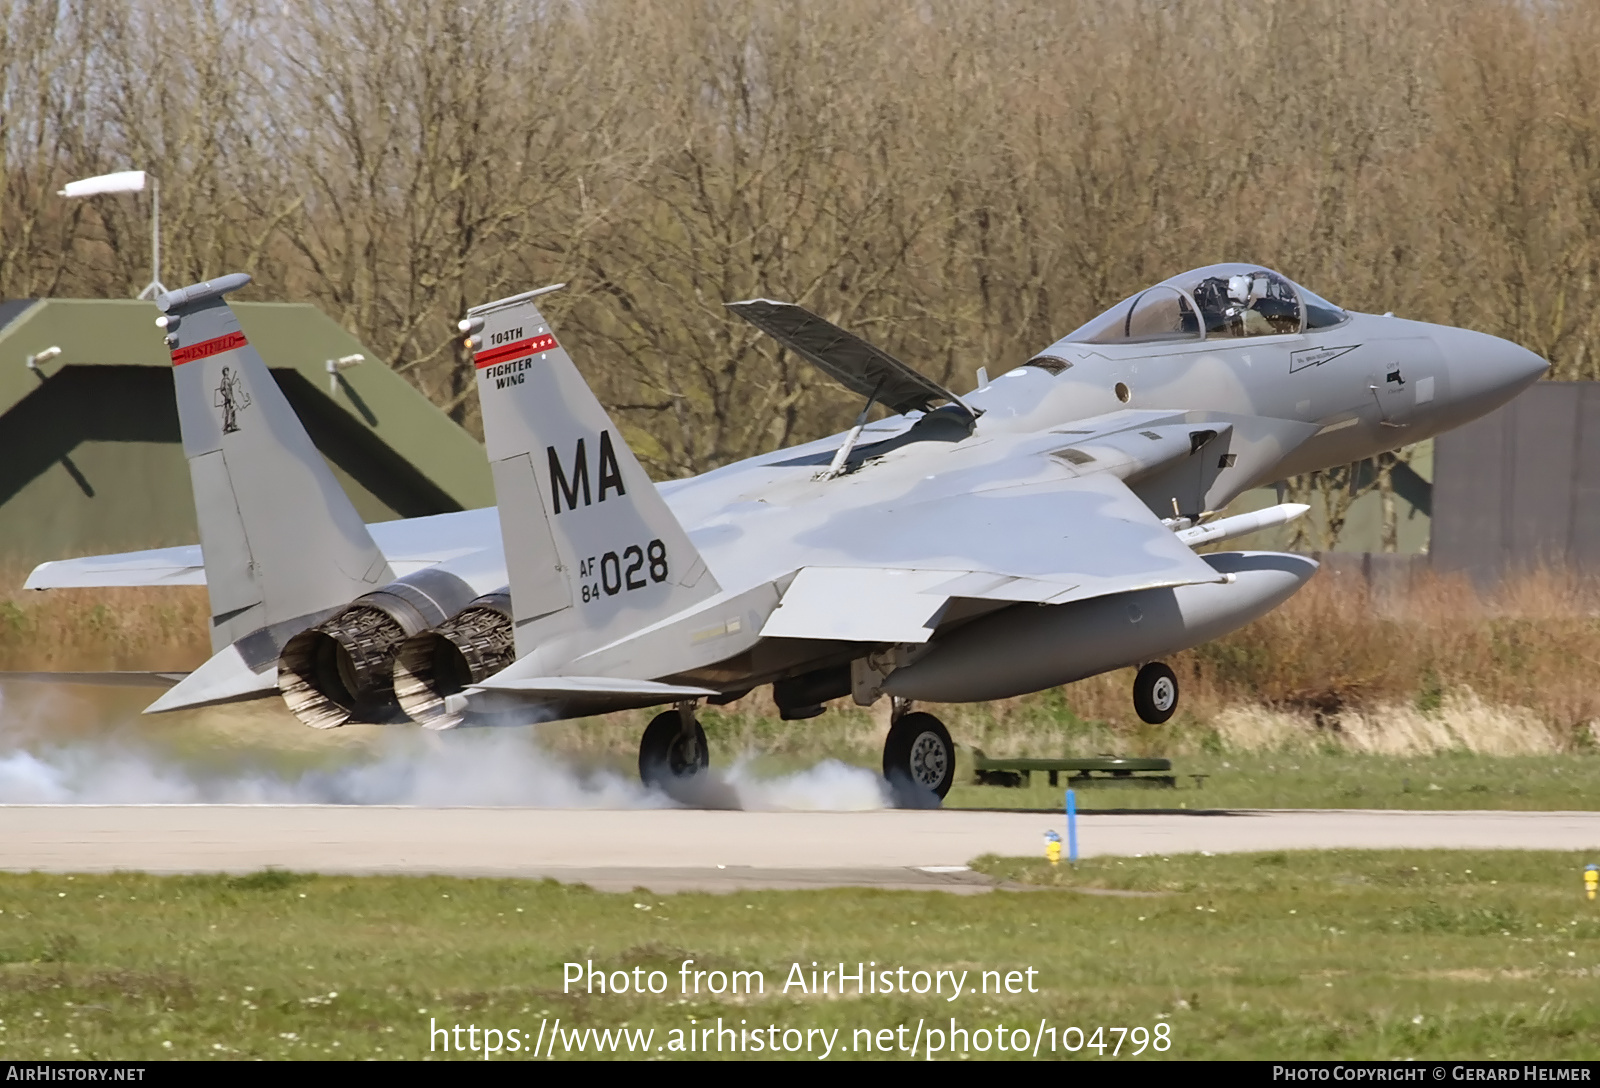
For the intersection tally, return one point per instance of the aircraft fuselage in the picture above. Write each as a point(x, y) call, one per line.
point(1368, 385)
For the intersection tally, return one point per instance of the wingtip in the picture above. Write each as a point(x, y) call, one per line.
point(201, 292)
point(511, 300)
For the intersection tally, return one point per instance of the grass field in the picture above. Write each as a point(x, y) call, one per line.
point(1299, 955)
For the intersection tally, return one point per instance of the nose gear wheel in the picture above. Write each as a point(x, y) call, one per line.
point(1155, 693)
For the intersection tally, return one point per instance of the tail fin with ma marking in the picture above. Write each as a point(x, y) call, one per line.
point(593, 551)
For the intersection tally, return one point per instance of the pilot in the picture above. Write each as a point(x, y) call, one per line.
point(1244, 292)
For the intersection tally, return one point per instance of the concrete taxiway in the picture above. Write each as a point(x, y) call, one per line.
point(690, 849)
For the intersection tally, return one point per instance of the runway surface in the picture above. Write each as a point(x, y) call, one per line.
point(684, 849)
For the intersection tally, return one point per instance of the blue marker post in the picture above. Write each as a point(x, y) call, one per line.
point(1072, 827)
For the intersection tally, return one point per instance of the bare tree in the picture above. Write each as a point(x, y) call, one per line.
point(963, 184)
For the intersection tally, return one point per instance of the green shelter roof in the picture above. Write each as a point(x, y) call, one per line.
point(89, 455)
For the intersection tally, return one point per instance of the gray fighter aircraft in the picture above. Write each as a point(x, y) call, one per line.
point(1036, 531)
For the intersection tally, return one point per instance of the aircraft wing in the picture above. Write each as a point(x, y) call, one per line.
point(409, 545)
point(897, 566)
point(849, 360)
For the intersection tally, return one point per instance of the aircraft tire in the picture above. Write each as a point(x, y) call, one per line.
point(1155, 693)
point(666, 756)
point(919, 760)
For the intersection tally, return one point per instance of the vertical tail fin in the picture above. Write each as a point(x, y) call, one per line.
point(280, 538)
point(592, 550)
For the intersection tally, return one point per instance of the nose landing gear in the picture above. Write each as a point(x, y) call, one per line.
point(1155, 693)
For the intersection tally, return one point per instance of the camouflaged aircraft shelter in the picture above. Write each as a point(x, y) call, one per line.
point(90, 458)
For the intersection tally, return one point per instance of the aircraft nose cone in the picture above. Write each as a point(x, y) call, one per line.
point(1528, 366)
point(1515, 365)
point(1486, 371)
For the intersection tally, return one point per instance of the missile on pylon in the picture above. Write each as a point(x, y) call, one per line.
point(1240, 524)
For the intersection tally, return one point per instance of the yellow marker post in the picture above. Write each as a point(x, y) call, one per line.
point(1052, 846)
point(1591, 881)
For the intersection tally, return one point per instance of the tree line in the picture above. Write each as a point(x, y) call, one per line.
point(961, 183)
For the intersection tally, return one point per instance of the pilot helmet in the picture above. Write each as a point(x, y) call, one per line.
point(1239, 287)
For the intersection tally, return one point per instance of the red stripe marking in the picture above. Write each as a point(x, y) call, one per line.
point(507, 352)
point(207, 348)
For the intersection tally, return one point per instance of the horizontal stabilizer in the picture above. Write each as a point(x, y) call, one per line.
point(410, 545)
point(592, 685)
point(180, 566)
point(223, 679)
point(99, 679)
point(859, 604)
point(849, 360)
point(526, 700)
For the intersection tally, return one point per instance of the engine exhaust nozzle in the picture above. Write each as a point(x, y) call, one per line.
point(431, 666)
point(342, 670)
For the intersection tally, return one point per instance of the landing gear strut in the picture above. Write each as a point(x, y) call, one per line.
point(673, 748)
point(1155, 693)
point(919, 759)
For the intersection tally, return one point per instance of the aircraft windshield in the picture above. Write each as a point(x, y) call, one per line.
point(1320, 313)
point(1220, 301)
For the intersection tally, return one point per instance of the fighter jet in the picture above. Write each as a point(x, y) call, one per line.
point(1033, 532)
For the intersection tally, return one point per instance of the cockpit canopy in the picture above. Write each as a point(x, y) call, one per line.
point(1218, 302)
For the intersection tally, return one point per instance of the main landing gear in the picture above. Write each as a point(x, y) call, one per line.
point(673, 749)
point(919, 759)
point(1155, 693)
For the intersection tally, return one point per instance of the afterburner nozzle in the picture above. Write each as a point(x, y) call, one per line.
point(432, 668)
point(342, 670)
